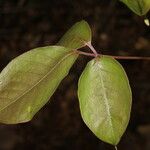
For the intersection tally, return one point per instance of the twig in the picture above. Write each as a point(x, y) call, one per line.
point(130, 57)
point(115, 57)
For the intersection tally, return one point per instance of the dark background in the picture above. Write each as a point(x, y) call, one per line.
point(26, 24)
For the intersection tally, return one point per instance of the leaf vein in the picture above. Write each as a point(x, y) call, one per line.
point(47, 74)
point(107, 105)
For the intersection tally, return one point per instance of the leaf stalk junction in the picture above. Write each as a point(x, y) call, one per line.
point(96, 54)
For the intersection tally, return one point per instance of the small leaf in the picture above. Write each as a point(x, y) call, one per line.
point(76, 36)
point(28, 81)
point(140, 7)
point(105, 98)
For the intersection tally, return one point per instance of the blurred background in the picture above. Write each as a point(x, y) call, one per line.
point(26, 24)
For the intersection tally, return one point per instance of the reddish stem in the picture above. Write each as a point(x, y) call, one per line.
point(130, 57)
point(92, 48)
point(115, 57)
point(86, 54)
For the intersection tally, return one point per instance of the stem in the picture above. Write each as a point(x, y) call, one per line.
point(116, 148)
point(130, 57)
point(115, 57)
point(86, 54)
point(92, 48)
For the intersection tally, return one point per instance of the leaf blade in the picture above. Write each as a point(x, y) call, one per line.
point(103, 108)
point(29, 81)
point(76, 36)
point(140, 7)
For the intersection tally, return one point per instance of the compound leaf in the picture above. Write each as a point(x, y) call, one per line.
point(105, 99)
point(140, 7)
point(28, 81)
point(76, 36)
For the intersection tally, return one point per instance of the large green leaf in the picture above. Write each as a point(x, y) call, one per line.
point(29, 80)
point(76, 36)
point(140, 7)
point(105, 98)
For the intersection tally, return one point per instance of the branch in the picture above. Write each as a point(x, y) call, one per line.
point(130, 57)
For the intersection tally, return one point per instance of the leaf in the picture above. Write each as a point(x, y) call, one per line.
point(28, 81)
point(76, 36)
point(140, 7)
point(105, 99)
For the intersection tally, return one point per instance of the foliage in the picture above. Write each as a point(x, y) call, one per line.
point(105, 98)
point(140, 7)
point(28, 82)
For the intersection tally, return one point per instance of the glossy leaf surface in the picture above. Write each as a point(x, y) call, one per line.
point(28, 81)
point(140, 7)
point(105, 99)
point(76, 36)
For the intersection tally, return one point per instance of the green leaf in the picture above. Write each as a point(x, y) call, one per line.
point(76, 36)
point(28, 81)
point(140, 7)
point(105, 98)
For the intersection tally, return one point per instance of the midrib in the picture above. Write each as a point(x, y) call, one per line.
point(38, 82)
point(106, 102)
